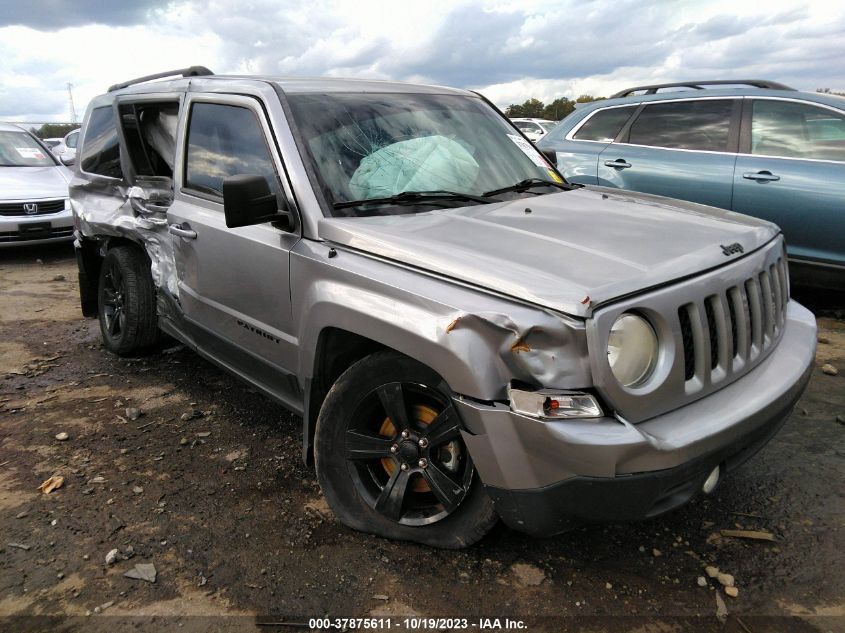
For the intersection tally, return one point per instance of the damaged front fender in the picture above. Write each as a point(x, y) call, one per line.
point(477, 341)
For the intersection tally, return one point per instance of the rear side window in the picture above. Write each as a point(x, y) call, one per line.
point(703, 124)
point(100, 149)
point(604, 125)
point(225, 140)
point(796, 130)
point(149, 132)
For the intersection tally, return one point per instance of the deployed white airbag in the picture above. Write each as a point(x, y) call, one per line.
point(418, 164)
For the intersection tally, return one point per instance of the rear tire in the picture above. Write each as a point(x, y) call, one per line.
point(126, 301)
point(390, 458)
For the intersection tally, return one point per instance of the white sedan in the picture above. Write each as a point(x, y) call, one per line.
point(534, 129)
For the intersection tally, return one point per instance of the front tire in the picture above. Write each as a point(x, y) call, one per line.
point(126, 301)
point(390, 458)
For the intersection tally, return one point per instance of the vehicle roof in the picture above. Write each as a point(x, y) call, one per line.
point(291, 85)
point(709, 93)
point(532, 119)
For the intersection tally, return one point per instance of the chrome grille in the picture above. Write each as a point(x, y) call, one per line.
point(17, 236)
point(43, 207)
point(743, 322)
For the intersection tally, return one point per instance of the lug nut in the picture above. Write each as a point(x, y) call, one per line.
point(423, 462)
point(405, 434)
point(404, 466)
point(394, 448)
point(423, 442)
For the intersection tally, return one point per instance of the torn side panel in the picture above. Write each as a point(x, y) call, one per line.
point(141, 217)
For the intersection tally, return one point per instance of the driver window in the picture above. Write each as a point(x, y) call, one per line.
point(225, 140)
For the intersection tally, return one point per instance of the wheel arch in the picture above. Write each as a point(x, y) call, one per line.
point(336, 348)
point(90, 252)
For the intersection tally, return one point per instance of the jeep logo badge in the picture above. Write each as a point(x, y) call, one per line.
point(31, 208)
point(732, 249)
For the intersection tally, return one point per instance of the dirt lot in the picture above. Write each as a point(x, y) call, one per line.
point(235, 525)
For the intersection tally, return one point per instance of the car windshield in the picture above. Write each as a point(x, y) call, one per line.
point(548, 125)
point(367, 146)
point(19, 149)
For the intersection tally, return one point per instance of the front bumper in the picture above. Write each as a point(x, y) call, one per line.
point(19, 230)
point(546, 477)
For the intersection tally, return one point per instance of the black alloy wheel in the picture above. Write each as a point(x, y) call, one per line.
point(114, 293)
point(405, 454)
point(391, 458)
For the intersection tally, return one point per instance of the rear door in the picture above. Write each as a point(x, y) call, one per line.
point(792, 172)
point(681, 149)
point(234, 284)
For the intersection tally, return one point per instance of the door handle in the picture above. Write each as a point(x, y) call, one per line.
point(176, 229)
point(760, 176)
point(619, 163)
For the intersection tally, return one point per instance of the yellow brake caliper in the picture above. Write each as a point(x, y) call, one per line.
point(423, 415)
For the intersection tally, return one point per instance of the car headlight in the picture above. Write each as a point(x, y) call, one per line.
point(632, 349)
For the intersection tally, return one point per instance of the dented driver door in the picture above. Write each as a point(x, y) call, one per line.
point(234, 284)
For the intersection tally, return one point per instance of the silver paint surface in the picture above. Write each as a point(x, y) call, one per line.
point(484, 295)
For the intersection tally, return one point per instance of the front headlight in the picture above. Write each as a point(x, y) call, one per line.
point(632, 349)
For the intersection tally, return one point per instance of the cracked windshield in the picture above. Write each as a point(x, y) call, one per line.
point(367, 147)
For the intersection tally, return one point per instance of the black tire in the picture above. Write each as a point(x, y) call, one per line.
point(126, 301)
point(359, 452)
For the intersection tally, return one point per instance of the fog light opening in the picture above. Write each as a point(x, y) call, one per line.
point(711, 482)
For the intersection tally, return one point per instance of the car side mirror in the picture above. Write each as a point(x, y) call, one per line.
point(67, 161)
point(247, 200)
point(551, 155)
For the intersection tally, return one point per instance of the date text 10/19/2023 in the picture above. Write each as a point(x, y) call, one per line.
point(416, 624)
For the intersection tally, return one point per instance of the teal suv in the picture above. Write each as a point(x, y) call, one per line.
point(751, 146)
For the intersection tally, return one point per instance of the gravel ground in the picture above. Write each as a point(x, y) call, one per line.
point(172, 462)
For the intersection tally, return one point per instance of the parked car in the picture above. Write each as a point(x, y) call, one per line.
point(464, 336)
point(51, 143)
point(534, 129)
point(66, 149)
point(754, 147)
point(34, 206)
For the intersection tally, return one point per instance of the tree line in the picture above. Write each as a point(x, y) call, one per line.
point(53, 130)
point(554, 111)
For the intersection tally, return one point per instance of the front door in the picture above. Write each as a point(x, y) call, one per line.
point(792, 173)
point(678, 149)
point(234, 284)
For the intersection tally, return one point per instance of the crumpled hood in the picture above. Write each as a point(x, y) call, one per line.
point(573, 251)
point(34, 183)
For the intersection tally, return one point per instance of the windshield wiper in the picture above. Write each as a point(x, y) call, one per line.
point(528, 183)
point(415, 197)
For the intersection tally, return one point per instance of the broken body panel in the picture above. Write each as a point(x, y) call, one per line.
point(487, 296)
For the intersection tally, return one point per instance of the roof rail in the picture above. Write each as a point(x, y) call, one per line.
point(193, 71)
point(697, 85)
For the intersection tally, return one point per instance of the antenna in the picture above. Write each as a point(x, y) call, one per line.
point(70, 101)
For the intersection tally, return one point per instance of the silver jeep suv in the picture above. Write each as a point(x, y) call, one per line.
point(465, 335)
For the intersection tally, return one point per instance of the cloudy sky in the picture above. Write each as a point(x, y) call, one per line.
point(510, 50)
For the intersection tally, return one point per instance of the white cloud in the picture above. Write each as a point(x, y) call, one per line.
point(510, 50)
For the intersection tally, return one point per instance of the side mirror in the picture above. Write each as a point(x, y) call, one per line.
point(67, 161)
point(247, 200)
point(551, 155)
